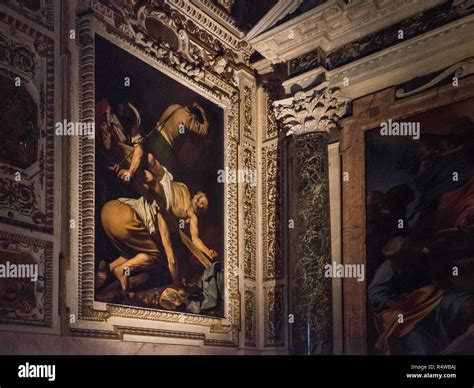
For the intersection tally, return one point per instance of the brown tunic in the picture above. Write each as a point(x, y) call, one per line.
point(126, 231)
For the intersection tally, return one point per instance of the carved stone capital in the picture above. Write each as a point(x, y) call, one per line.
point(318, 110)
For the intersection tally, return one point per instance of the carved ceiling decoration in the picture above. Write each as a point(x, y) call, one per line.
point(276, 13)
point(420, 57)
point(41, 11)
point(179, 34)
point(305, 62)
point(217, 12)
point(411, 27)
point(387, 37)
point(333, 24)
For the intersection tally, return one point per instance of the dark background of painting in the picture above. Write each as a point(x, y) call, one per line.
point(199, 158)
point(393, 160)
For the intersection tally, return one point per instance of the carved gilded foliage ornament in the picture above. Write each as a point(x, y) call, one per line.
point(250, 215)
point(250, 315)
point(273, 267)
point(272, 126)
point(274, 316)
point(248, 111)
point(315, 111)
point(162, 31)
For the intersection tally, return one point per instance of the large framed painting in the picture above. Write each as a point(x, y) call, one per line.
point(409, 220)
point(154, 221)
point(182, 132)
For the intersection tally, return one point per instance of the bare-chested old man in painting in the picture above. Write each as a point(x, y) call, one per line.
point(158, 147)
point(164, 204)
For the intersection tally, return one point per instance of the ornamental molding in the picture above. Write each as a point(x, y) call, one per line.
point(436, 50)
point(36, 307)
point(273, 266)
point(218, 23)
point(250, 318)
point(439, 49)
point(42, 12)
point(208, 54)
point(332, 25)
point(458, 70)
point(274, 304)
point(249, 198)
point(318, 110)
point(222, 17)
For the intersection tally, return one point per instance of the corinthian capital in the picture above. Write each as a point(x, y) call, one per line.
point(318, 110)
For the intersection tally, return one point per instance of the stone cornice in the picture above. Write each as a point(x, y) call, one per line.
point(216, 25)
point(334, 24)
point(435, 50)
point(220, 16)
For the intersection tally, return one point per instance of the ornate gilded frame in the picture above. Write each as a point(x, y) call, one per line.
point(91, 318)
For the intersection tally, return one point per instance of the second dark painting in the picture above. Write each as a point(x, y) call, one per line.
point(420, 206)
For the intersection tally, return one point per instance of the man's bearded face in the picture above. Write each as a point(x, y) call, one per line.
point(200, 203)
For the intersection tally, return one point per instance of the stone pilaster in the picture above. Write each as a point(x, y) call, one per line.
point(309, 117)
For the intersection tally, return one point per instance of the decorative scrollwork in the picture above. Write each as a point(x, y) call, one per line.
point(272, 125)
point(274, 319)
point(30, 303)
point(271, 249)
point(460, 69)
point(248, 112)
point(250, 299)
point(18, 56)
point(318, 111)
point(165, 34)
point(250, 217)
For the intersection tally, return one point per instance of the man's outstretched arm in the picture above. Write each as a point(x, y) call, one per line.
point(165, 239)
point(137, 154)
point(194, 230)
